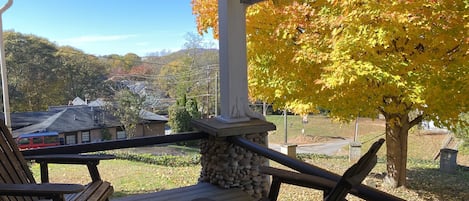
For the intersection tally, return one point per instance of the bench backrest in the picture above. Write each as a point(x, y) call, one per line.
point(13, 166)
point(355, 174)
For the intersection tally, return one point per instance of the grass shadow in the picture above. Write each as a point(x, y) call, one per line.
point(433, 184)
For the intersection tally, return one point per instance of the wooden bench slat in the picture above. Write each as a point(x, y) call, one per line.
point(71, 196)
point(12, 169)
point(189, 193)
point(89, 190)
point(40, 189)
point(96, 191)
point(105, 190)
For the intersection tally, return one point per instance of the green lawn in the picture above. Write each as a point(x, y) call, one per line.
point(127, 177)
point(425, 182)
point(321, 126)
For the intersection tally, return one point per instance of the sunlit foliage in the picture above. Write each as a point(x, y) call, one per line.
point(360, 57)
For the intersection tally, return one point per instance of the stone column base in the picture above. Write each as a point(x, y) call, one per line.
point(230, 166)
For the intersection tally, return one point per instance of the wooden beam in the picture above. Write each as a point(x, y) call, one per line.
point(115, 144)
point(200, 191)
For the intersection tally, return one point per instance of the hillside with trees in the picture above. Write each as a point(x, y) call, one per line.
point(42, 74)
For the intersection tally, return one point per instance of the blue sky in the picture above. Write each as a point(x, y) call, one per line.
point(103, 27)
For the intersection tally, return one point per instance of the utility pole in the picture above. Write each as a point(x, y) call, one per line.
point(285, 124)
point(6, 99)
point(355, 146)
point(264, 108)
point(355, 137)
point(208, 90)
point(216, 93)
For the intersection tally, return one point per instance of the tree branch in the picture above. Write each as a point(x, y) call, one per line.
point(416, 121)
point(251, 2)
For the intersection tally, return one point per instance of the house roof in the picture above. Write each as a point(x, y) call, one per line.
point(150, 116)
point(97, 103)
point(72, 119)
point(23, 119)
point(78, 101)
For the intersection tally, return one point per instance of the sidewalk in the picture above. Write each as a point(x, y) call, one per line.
point(327, 148)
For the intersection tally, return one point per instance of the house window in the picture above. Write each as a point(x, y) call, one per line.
point(85, 136)
point(71, 139)
point(121, 135)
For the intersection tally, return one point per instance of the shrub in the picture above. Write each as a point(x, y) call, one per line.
point(164, 160)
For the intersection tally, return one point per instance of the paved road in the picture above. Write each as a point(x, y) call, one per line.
point(327, 148)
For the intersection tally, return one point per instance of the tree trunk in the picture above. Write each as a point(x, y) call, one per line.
point(397, 130)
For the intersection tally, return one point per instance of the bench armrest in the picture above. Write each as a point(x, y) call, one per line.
point(280, 176)
point(48, 189)
point(70, 158)
point(299, 179)
point(91, 161)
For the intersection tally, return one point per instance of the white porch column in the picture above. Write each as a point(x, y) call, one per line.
point(6, 97)
point(233, 63)
point(235, 118)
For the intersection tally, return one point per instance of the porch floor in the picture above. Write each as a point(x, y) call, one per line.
point(198, 192)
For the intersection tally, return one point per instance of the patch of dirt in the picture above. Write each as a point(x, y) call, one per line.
point(310, 139)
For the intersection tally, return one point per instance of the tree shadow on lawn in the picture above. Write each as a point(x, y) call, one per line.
point(431, 183)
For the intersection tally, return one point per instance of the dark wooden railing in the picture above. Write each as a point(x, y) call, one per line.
point(361, 191)
point(116, 144)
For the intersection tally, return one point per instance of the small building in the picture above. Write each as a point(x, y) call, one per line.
point(83, 123)
point(150, 123)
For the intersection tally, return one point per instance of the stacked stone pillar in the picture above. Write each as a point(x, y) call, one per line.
point(228, 165)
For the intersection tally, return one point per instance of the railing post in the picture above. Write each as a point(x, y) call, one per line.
point(230, 166)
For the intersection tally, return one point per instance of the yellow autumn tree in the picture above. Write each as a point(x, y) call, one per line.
point(268, 56)
point(407, 60)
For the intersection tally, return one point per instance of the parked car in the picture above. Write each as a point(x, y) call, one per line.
point(37, 140)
